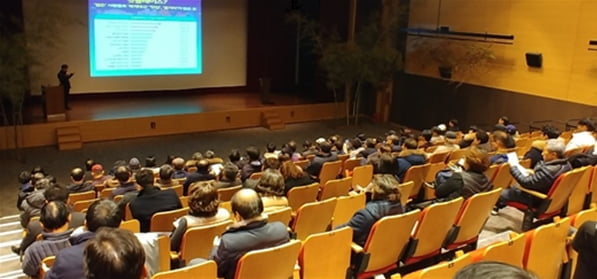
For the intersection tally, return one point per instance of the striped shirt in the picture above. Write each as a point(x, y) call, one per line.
point(49, 246)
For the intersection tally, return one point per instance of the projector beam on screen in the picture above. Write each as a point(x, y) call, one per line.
point(149, 37)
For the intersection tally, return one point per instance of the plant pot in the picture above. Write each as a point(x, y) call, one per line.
point(445, 72)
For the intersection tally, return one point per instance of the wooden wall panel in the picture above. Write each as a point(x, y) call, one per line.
point(559, 29)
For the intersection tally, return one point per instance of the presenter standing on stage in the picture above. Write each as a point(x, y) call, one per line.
point(64, 78)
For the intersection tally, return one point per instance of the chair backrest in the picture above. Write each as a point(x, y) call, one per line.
point(326, 255)
point(473, 215)
point(438, 157)
point(177, 189)
point(335, 188)
point(302, 163)
point(329, 171)
point(346, 207)
point(502, 178)
point(343, 157)
point(544, 252)
point(271, 263)
point(106, 193)
point(526, 163)
point(388, 238)
point(446, 269)
point(256, 175)
point(576, 201)
point(184, 201)
point(46, 264)
point(417, 174)
point(510, 251)
point(594, 185)
point(406, 190)
point(197, 242)
point(457, 154)
point(433, 169)
point(79, 206)
point(297, 196)
point(491, 172)
point(75, 197)
point(204, 270)
point(132, 225)
point(583, 216)
point(562, 188)
point(117, 198)
point(362, 175)
point(162, 221)
point(164, 254)
point(283, 215)
point(128, 214)
point(573, 151)
point(313, 217)
point(225, 194)
point(350, 164)
point(431, 230)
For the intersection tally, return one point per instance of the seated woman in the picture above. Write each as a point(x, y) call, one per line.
point(467, 181)
point(271, 189)
point(294, 176)
point(385, 201)
point(203, 210)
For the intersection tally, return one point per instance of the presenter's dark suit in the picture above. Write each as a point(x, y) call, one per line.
point(64, 79)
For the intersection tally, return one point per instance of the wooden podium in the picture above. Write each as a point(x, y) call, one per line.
point(53, 99)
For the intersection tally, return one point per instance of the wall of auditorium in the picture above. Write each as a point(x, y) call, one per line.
point(559, 29)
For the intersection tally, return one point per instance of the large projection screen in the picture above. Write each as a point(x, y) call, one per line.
point(220, 39)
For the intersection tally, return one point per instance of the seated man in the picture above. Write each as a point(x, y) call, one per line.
point(34, 228)
point(409, 156)
point(78, 183)
point(583, 136)
point(33, 203)
point(25, 187)
point(54, 219)
point(165, 177)
point(126, 185)
point(114, 253)
point(450, 143)
point(202, 174)
point(250, 232)
point(324, 155)
point(98, 176)
point(253, 164)
point(229, 177)
point(178, 165)
point(585, 243)
point(69, 262)
point(541, 178)
point(151, 199)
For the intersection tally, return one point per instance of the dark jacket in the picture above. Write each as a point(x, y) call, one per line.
point(290, 183)
point(463, 184)
point(227, 184)
point(34, 228)
point(362, 221)
point(194, 177)
point(124, 188)
point(31, 206)
point(152, 200)
point(81, 187)
point(179, 174)
point(535, 155)
point(238, 240)
point(544, 176)
point(69, 261)
point(367, 151)
point(49, 246)
point(314, 168)
point(408, 159)
point(250, 168)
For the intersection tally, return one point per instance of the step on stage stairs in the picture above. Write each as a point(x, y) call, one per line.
point(69, 138)
point(10, 234)
point(271, 120)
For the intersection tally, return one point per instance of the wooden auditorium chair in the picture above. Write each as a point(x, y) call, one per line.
point(502, 178)
point(225, 194)
point(335, 188)
point(346, 207)
point(329, 171)
point(313, 217)
point(362, 176)
point(349, 165)
point(580, 196)
point(416, 174)
point(82, 206)
point(197, 242)
point(545, 253)
point(326, 255)
point(162, 221)
point(509, 251)
point(271, 263)
point(444, 269)
point(132, 225)
point(283, 215)
point(204, 270)
point(75, 197)
point(297, 196)
point(441, 157)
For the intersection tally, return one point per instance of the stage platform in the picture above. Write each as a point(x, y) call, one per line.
point(102, 118)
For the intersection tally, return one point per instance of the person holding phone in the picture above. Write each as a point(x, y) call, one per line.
point(64, 78)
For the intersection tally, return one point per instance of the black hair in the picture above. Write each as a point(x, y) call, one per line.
point(550, 131)
point(24, 177)
point(56, 192)
point(54, 215)
point(89, 163)
point(234, 155)
point(150, 161)
point(114, 254)
point(144, 177)
point(482, 136)
point(270, 147)
point(122, 173)
point(166, 172)
point(77, 174)
point(253, 153)
point(103, 213)
point(493, 270)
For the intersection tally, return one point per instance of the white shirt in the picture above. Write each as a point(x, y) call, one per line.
point(580, 139)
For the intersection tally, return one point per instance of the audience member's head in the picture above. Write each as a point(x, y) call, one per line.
point(554, 149)
point(38, 169)
point(150, 161)
point(427, 134)
point(230, 172)
point(88, 164)
point(503, 120)
point(370, 143)
point(42, 184)
point(197, 156)
point(246, 204)
point(410, 143)
point(325, 147)
point(292, 146)
point(203, 166)
point(114, 254)
point(77, 174)
point(234, 155)
point(271, 163)
point(36, 177)
point(451, 137)
point(144, 178)
point(384, 187)
point(290, 170)
point(361, 136)
point(178, 163)
point(166, 172)
point(481, 137)
point(586, 124)
point(252, 153)
point(204, 199)
point(355, 143)
point(387, 164)
point(56, 192)
point(123, 174)
point(550, 132)
point(271, 183)
point(502, 140)
point(169, 159)
point(102, 213)
point(493, 270)
point(270, 147)
point(24, 177)
point(476, 160)
point(134, 164)
point(393, 140)
point(54, 216)
point(97, 171)
point(210, 154)
point(453, 123)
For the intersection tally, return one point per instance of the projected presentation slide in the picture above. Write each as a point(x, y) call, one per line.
point(144, 37)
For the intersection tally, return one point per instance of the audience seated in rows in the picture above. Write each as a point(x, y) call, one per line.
point(54, 219)
point(467, 179)
point(294, 176)
point(151, 199)
point(409, 156)
point(114, 254)
point(203, 210)
point(537, 146)
point(271, 189)
point(69, 261)
point(324, 155)
point(250, 232)
point(253, 165)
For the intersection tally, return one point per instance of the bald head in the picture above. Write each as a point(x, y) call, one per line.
point(247, 204)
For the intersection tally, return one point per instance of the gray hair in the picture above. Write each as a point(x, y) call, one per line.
point(557, 146)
